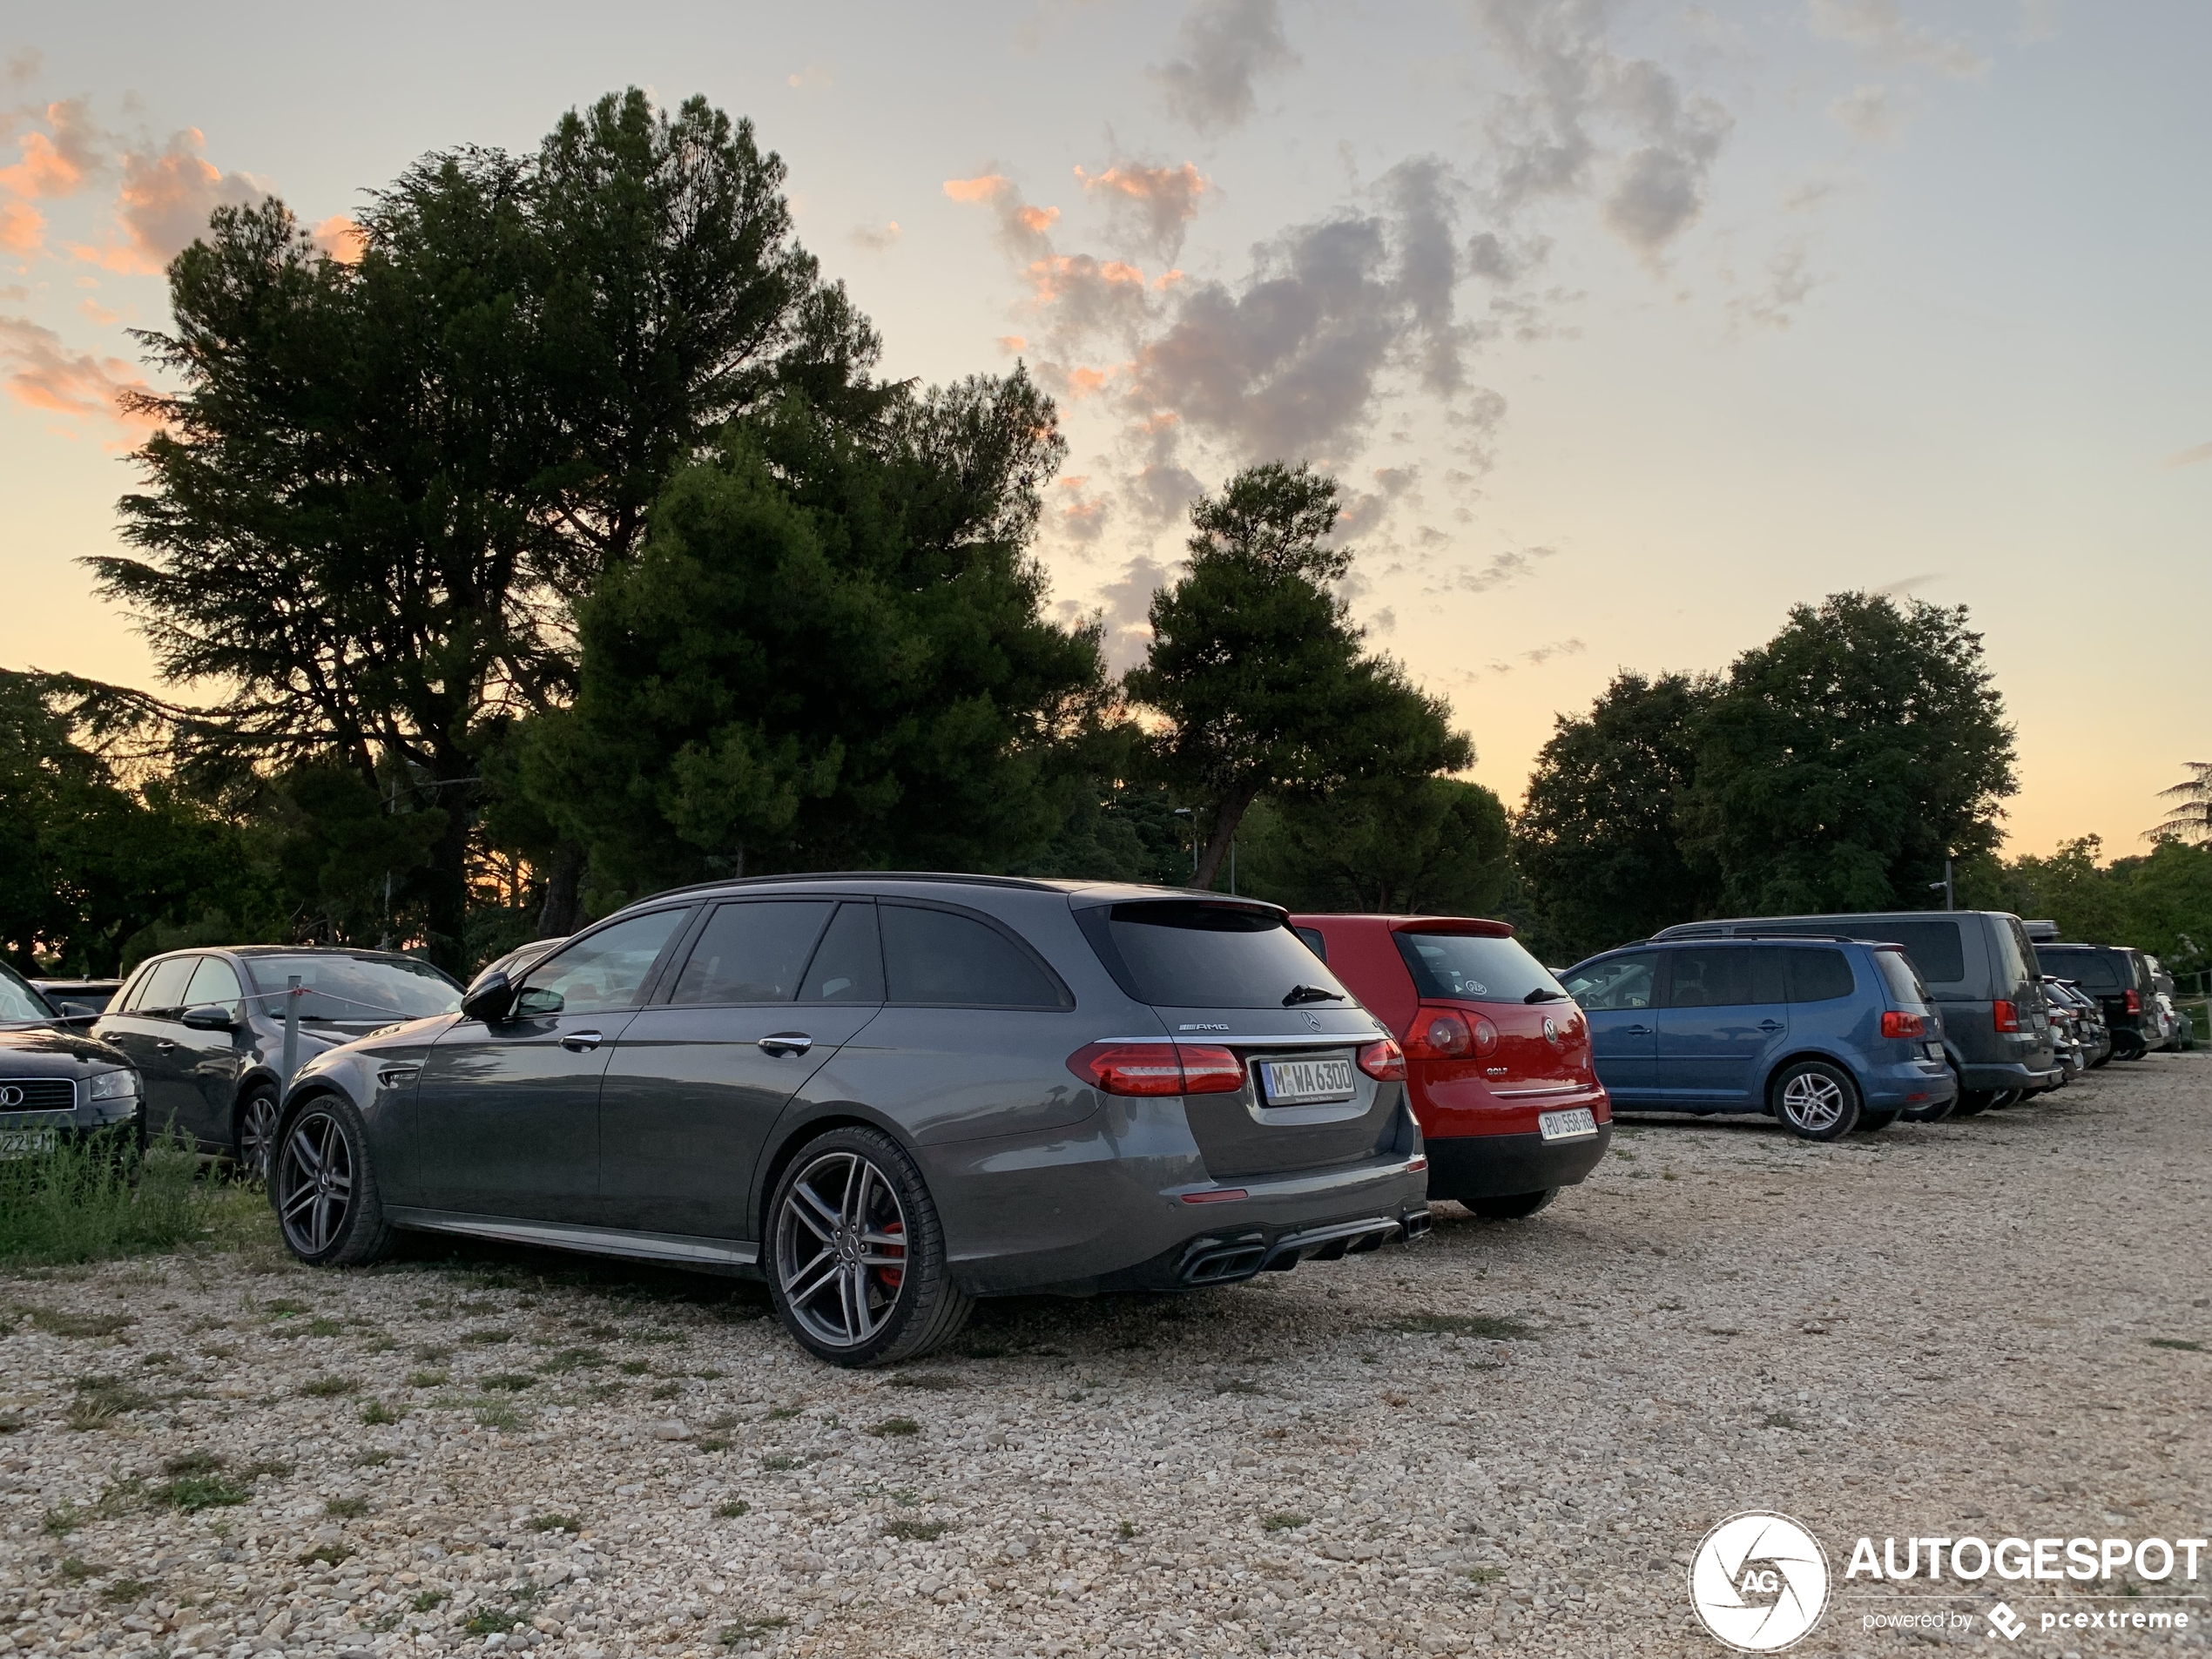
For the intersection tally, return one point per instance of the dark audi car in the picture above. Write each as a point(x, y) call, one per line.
point(52, 1082)
point(206, 1029)
point(888, 1094)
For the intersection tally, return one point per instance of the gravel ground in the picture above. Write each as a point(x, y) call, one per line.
point(1511, 1437)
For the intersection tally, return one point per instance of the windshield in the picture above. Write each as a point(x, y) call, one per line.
point(354, 990)
point(1476, 967)
point(1192, 954)
point(19, 1003)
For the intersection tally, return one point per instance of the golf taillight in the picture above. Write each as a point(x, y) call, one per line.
point(1438, 1034)
point(2005, 1015)
point(1895, 1024)
point(2134, 1003)
point(1158, 1068)
point(1385, 1061)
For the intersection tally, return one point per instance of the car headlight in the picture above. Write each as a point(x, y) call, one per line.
point(114, 1085)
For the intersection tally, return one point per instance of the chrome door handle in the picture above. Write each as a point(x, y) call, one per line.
point(1636, 1030)
point(163, 1044)
point(581, 1041)
point(783, 1043)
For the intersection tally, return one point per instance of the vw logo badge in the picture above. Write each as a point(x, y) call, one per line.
point(10, 1096)
point(1551, 1030)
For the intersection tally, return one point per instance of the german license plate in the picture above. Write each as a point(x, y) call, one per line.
point(1565, 1126)
point(25, 1143)
point(1305, 1082)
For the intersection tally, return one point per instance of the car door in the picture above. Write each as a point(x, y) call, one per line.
point(1715, 1025)
point(150, 1031)
point(505, 1117)
point(210, 1062)
point(1617, 997)
point(769, 990)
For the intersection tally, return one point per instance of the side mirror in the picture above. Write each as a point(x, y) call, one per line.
point(76, 1013)
point(210, 1017)
point(488, 999)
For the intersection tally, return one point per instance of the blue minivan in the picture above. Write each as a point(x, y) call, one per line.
point(1825, 1035)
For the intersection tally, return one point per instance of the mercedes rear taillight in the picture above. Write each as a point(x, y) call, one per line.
point(1158, 1068)
point(1385, 1061)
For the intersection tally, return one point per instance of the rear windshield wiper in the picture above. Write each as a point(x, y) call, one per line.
point(1543, 994)
point(1311, 994)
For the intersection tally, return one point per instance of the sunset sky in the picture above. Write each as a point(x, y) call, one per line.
point(1625, 326)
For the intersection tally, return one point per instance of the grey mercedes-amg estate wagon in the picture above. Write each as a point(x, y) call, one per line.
point(888, 1094)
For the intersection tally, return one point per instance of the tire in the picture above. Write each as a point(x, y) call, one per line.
point(1934, 1114)
point(254, 1131)
point(1814, 1101)
point(1869, 1122)
point(1972, 1103)
point(1513, 1206)
point(867, 1294)
point(2129, 1045)
point(2004, 1097)
point(323, 1186)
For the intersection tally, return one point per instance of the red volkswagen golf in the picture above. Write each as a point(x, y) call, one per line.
point(1497, 1054)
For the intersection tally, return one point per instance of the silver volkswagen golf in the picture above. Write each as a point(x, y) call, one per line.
point(888, 1096)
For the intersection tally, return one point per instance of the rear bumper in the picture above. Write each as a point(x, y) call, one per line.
point(1497, 1166)
point(2001, 1075)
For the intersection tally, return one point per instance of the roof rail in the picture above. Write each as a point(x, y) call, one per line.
point(1026, 883)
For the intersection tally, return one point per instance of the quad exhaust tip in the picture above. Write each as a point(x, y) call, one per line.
point(1224, 1261)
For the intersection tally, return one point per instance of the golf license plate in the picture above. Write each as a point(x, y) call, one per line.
point(1565, 1126)
point(1305, 1082)
point(25, 1143)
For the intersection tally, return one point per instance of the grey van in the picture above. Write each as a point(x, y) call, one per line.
point(1982, 973)
point(887, 1095)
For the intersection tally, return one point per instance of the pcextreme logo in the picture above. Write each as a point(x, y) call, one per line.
point(1759, 1582)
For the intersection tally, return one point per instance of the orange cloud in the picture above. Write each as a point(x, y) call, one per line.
point(22, 229)
point(1085, 382)
point(341, 238)
point(1010, 343)
point(99, 313)
point(1150, 205)
point(1053, 279)
point(164, 202)
point(1036, 220)
point(57, 165)
point(986, 187)
point(42, 373)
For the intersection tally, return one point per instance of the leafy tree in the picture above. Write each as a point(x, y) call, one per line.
point(830, 652)
point(384, 483)
point(1846, 757)
point(1394, 844)
point(2160, 901)
point(1257, 670)
point(2191, 818)
point(1599, 837)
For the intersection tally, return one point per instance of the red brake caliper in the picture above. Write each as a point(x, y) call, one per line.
point(893, 1277)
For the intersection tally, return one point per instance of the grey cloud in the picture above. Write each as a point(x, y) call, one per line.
point(1546, 141)
point(1502, 569)
point(1533, 659)
point(876, 240)
point(1789, 280)
point(1365, 511)
point(1227, 45)
point(1148, 208)
point(2187, 457)
point(1904, 586)
point(1126, 609)
point(24, 66)
point(1871, 114)
point(1880, 29)
point(1384, 621)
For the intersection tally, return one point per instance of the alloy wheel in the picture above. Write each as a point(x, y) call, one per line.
point(314, 1183)
point(1813, 1101)
point(840, 1249)
point(256, 1130)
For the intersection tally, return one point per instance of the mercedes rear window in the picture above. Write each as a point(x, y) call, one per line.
point(1191, 953)
point(2092, 969)
point(1477, 968)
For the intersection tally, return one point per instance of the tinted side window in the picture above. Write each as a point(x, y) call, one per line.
point(1314, 941)
point(1937, 947)
point(2099, 970)
point(936, 957)
point(751, 953)
point(601, 971)
point(1819, 976)
point(1715, 977)
point(165, 985)
point(848, 964)
point(213, 980)
point(1618, 982)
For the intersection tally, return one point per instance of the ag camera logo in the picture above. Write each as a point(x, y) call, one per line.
point(1759, 1582)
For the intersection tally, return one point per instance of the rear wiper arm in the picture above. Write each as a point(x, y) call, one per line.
point(1541, 994)
point(1311, 994)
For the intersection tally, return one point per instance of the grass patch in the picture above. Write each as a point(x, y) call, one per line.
point(2182, 1343)
point(330, 1387)
point(432, 1379)
point(60, 1521)
point(507, 1382)
point(750, 1631)
point(486, 1338)
point(780, 1461)
point(377, 1411)
point(326, 1555)
point(668, 1390)
point(779, 1413)
point(427, 1601)
point(60, 1323)
point(1237, 1385)
point(712, 1443)
point(192, 1492)
point(554, 1523)
point(324, 1327)
point(77, 1571)
point(733, 1509)
point(1467, 1325)
point(431, 1355)
point(100, 1401)
point(1284, 1523)
point(572, 1360)
point(498, 1414)
point(374, 1458)
point(124, 1591)
point(900, 1425)
point(636, 1367)
point(927, 1532)
point(192, 1463)
point(347, 1509)
point(1127, 1530)
point(938, 1382)
point(101, 1197)
point(1485, 1574)
point(492, 1621)
point(1782, 1420)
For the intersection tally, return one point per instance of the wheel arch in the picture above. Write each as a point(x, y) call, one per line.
point(791, 1134)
